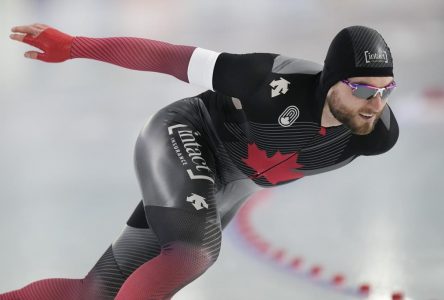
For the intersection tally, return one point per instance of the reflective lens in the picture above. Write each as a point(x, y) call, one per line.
point(367, 92)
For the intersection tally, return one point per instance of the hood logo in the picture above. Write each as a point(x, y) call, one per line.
point(379, 57)
point(289, 116)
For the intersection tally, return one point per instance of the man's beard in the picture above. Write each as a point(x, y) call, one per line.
point(351, 119)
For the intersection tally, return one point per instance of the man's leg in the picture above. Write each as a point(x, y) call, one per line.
point(175, 168)
point(136, 245)
point(48, 289)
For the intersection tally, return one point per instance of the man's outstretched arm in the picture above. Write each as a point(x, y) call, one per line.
point(133, 53)
point(234, 75)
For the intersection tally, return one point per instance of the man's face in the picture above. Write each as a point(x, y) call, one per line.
point(359, 115)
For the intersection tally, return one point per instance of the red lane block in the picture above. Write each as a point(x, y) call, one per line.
point(243, 225)
point(242, 221)
point(251, 237)
point(315, 271)
point(262, 246)
point(364, 289)
point(434, 93)
point(397, 296)
point(338, 279)
point(246, 210)
point(296, 263)
point(245, 229)
point(279, 255)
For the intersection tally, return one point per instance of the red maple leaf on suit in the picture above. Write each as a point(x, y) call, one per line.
point(277, 168)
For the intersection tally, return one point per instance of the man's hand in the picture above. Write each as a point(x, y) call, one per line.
point(56, 45)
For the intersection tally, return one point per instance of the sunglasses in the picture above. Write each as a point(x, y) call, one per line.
point(367, 92)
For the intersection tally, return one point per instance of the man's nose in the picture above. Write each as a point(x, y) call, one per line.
point(376, 102)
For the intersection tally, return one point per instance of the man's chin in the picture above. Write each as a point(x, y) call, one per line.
point(355, 124)
point(362, 129)
point(361, 132)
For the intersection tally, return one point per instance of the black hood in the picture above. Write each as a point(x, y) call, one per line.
point(355, 51)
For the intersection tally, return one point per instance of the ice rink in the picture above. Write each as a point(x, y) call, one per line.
point(67, 133)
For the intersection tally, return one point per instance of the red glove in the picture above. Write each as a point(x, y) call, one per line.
point(56, 45)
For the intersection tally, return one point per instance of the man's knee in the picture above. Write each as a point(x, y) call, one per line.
point(197, 258)
point(187, 237)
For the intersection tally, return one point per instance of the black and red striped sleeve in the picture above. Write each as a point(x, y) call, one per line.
point(234, 75)
point(136, 53)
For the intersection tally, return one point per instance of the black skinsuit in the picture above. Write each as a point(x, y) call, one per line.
point(197, 158)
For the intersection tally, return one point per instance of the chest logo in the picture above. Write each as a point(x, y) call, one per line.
point(279, 87)
point(277, 168)
point(289, 116)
